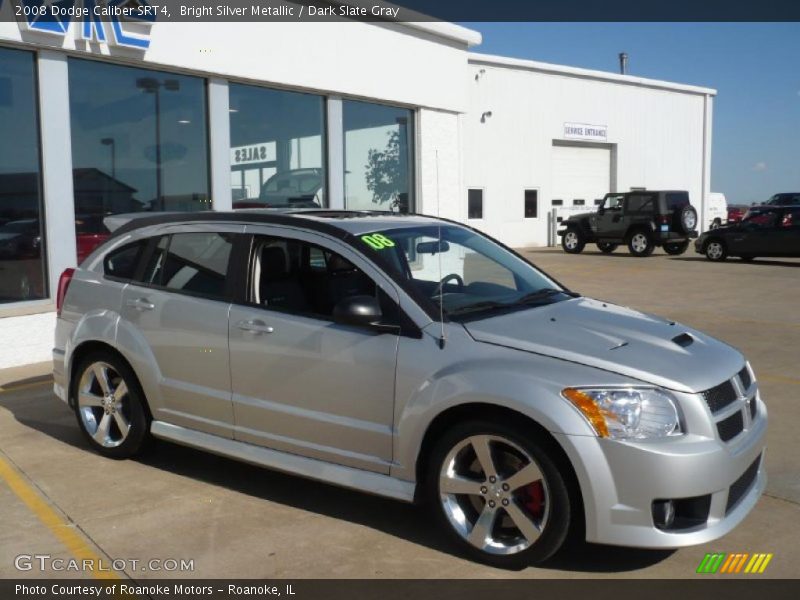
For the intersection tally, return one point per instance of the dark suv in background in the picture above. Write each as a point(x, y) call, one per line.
point(642, 220)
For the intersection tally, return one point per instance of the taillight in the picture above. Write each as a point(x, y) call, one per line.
point(63, 284)
point(664, 219)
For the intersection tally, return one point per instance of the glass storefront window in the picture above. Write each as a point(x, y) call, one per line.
point(22, 254)
point(277, 148)
point(378, 157)
point(139, 143)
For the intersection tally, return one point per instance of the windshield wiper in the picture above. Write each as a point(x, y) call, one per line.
point(542, 294)
point(478, 306)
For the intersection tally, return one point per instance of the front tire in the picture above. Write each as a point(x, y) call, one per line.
point(676, 248)
point(573, 241)
point(110, 406)
point(498, 493)
point(715, 250)
point(640, 243)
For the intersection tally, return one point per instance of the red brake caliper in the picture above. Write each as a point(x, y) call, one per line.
point(534, 499)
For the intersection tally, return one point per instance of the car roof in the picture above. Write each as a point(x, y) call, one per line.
point(354, 222)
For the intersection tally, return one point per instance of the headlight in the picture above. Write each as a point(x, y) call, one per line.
point(627, 413)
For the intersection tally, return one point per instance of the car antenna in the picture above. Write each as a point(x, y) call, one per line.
point(442, 337)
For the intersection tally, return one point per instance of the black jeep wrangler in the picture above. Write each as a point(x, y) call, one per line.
point(642, 220)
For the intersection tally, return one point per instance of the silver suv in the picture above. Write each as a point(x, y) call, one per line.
point(413, 358)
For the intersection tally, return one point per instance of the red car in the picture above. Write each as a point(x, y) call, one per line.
point(89, 234)
point(736, 212)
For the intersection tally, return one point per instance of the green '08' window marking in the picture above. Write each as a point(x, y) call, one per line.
point(377, 241)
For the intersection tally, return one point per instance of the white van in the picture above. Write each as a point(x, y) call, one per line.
point(716, 210)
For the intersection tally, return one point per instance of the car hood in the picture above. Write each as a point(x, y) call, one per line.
point(617, 339)
point(581, 216)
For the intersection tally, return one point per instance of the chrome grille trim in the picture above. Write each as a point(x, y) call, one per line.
point(733, 404)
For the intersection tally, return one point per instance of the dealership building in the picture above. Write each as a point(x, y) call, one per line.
point(115, 116)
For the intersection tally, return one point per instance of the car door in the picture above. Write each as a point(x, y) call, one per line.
point(756, 234)
point(302, 383)
point(609, 217)
point(787, 233)
point(179, 308)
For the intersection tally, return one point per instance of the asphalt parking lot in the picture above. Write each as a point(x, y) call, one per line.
point(59, 498)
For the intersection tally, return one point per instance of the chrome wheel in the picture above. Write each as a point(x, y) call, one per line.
point(639, 242)
point(494, 494)
point(103, 405)
point(570, 240)
point(715, 251)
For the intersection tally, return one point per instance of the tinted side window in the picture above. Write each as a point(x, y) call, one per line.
point(676, 200)
point(152, 270)
point(301, 278)
point(640, 203)
point(791, 218)
point(122, 262)
point(197, 263)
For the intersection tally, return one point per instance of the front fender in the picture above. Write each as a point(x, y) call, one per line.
point(523, 382)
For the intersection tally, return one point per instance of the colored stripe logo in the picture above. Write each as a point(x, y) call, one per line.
point(736, 562)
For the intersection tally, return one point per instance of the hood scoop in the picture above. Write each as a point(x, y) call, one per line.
point(683, 340)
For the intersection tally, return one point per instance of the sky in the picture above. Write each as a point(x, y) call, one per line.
point(755, 68)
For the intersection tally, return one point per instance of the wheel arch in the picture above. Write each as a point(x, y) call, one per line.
point(89, 347)
point(492, 412)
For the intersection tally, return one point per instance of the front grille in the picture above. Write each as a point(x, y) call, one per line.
point(720, 396)
point(742, 485)
point(744, 376)
point(753, 407)
point(731, 427)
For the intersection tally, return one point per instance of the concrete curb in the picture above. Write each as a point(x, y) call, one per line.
point(33, 373)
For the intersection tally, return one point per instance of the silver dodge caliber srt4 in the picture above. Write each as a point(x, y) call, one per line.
point(413, 358)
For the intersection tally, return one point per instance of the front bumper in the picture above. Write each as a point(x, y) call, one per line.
point(699, 243)
point(620, 480)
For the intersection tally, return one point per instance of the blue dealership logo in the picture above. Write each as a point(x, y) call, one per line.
point(55, 17)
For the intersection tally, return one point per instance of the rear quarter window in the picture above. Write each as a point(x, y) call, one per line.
point(122, 262)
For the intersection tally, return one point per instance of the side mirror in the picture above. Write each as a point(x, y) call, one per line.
point(600, 210)
point(361, 311)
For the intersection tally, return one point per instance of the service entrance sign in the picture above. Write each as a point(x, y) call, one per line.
point(585, 132)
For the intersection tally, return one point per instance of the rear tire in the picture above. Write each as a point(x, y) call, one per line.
point(676, 248)
point(500, 493)
point(110, 406)
point(640, 243)
point(573, 241)
point(607, 247)
point(715, 250)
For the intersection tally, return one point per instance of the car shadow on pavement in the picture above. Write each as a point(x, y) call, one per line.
point(733, 261)
point(410, 522)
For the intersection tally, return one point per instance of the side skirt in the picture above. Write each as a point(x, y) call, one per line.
point(357, 479)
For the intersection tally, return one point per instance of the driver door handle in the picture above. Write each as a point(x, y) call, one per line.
point(141, 304)
point(255, 326)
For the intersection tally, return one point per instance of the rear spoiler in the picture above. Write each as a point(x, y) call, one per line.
point(114, 222)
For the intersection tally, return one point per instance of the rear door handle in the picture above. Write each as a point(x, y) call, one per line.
point(254, 326)
point(141, 304)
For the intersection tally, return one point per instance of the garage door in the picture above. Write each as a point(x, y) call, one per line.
point(582, 172)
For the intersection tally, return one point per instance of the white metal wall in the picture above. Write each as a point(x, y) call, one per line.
point(516, 113)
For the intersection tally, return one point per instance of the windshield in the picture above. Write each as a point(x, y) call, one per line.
point(468, 274)
point(784, 199)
